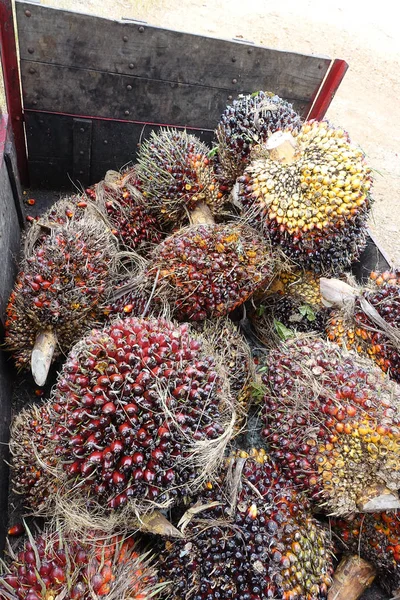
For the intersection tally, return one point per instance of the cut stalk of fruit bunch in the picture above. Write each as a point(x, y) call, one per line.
point(367, 319)
point(53, 565)
point(140, 415)
point(333, 423)
point(248, 534)
point(61, 284)
point(311, 195)
point(352, 577)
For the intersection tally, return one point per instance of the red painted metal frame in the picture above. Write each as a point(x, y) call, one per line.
point(12, 85)
point(328, 89)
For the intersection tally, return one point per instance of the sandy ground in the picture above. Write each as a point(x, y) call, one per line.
point(363, 33)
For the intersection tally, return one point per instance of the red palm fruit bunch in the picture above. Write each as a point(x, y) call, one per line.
point(208, 270)
point(32, 451)
point(376, 538)
point(61, 284)
point(332, 422)
point(119, 196)
point(311, 194)
point(251, 536)
point(294, 300)
point(368, 320)
point(141, 414)
point(56, 566)
point(176, 175)
point(247, 122)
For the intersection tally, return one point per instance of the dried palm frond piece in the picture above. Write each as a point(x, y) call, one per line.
point(333, 423)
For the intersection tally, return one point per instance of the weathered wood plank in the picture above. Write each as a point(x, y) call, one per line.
point(83, 41)
point(93, 93)
point(113, 145)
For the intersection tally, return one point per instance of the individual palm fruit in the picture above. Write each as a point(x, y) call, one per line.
point(141, 414)
point(369, 322)
point(32, 451)
point(311, 194)
point(176, 175)
point(250, 536)
point(135, 226)
point(208, 270)
point(235, 355)
point(376, 538)
point(292, 299)
point(59, 289)
point(249, 121)
point(332, 421)
point(57, 566)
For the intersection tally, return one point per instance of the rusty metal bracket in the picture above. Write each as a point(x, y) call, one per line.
point(81, 150)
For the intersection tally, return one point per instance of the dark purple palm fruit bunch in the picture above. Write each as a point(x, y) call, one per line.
point(141, 415)
point(176, 176)
point(62, 282)
point(247, 122)
point(54, 565)
point(311, 194)
point(133, 223)
point(33, 460)
point(251, 537)
point(332, 421)
point(207, 270)
point(376, 538)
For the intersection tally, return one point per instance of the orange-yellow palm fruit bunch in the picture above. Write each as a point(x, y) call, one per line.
point(313, 201)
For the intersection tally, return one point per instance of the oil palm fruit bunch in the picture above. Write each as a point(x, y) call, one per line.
point(368, 319)
point(141, 415)
point(250, 536)
point(52, 565)
point(294, 300)
point(207, 270)
point(119, 196)
point(62, 281)
point(311, 194)
point(32, 451)
point(332, 421)
point(176, 175)
point(376, 538)
point(247, 122)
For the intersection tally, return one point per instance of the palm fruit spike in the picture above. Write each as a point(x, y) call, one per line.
point(235, 354)
point(56, 566)
point(142, 414)
point(313, 204)
point(333, 424)
point(175, 175)
point(33, 460)
point(133, 223)
point(368, 319)
point(249, 121)
point(208, 270)
point(293, 299)
point(376, 538)
point(254, 539)
point(58, 293)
